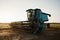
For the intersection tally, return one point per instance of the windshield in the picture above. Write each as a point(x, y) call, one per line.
point(29, 15)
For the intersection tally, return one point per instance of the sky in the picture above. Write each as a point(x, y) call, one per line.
point(15, 10)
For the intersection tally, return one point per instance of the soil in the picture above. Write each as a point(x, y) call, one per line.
point(18, 34)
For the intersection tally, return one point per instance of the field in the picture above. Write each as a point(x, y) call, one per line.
point(4, 25)
point(7, 33)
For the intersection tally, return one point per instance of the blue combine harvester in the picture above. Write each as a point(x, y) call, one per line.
point(35, 23)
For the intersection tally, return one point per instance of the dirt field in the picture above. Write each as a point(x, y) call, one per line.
point(9, 34)
point(19, 34)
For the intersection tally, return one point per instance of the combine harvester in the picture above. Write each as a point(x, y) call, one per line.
point(35, 23)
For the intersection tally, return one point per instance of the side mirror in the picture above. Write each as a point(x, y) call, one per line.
point(49, 15)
